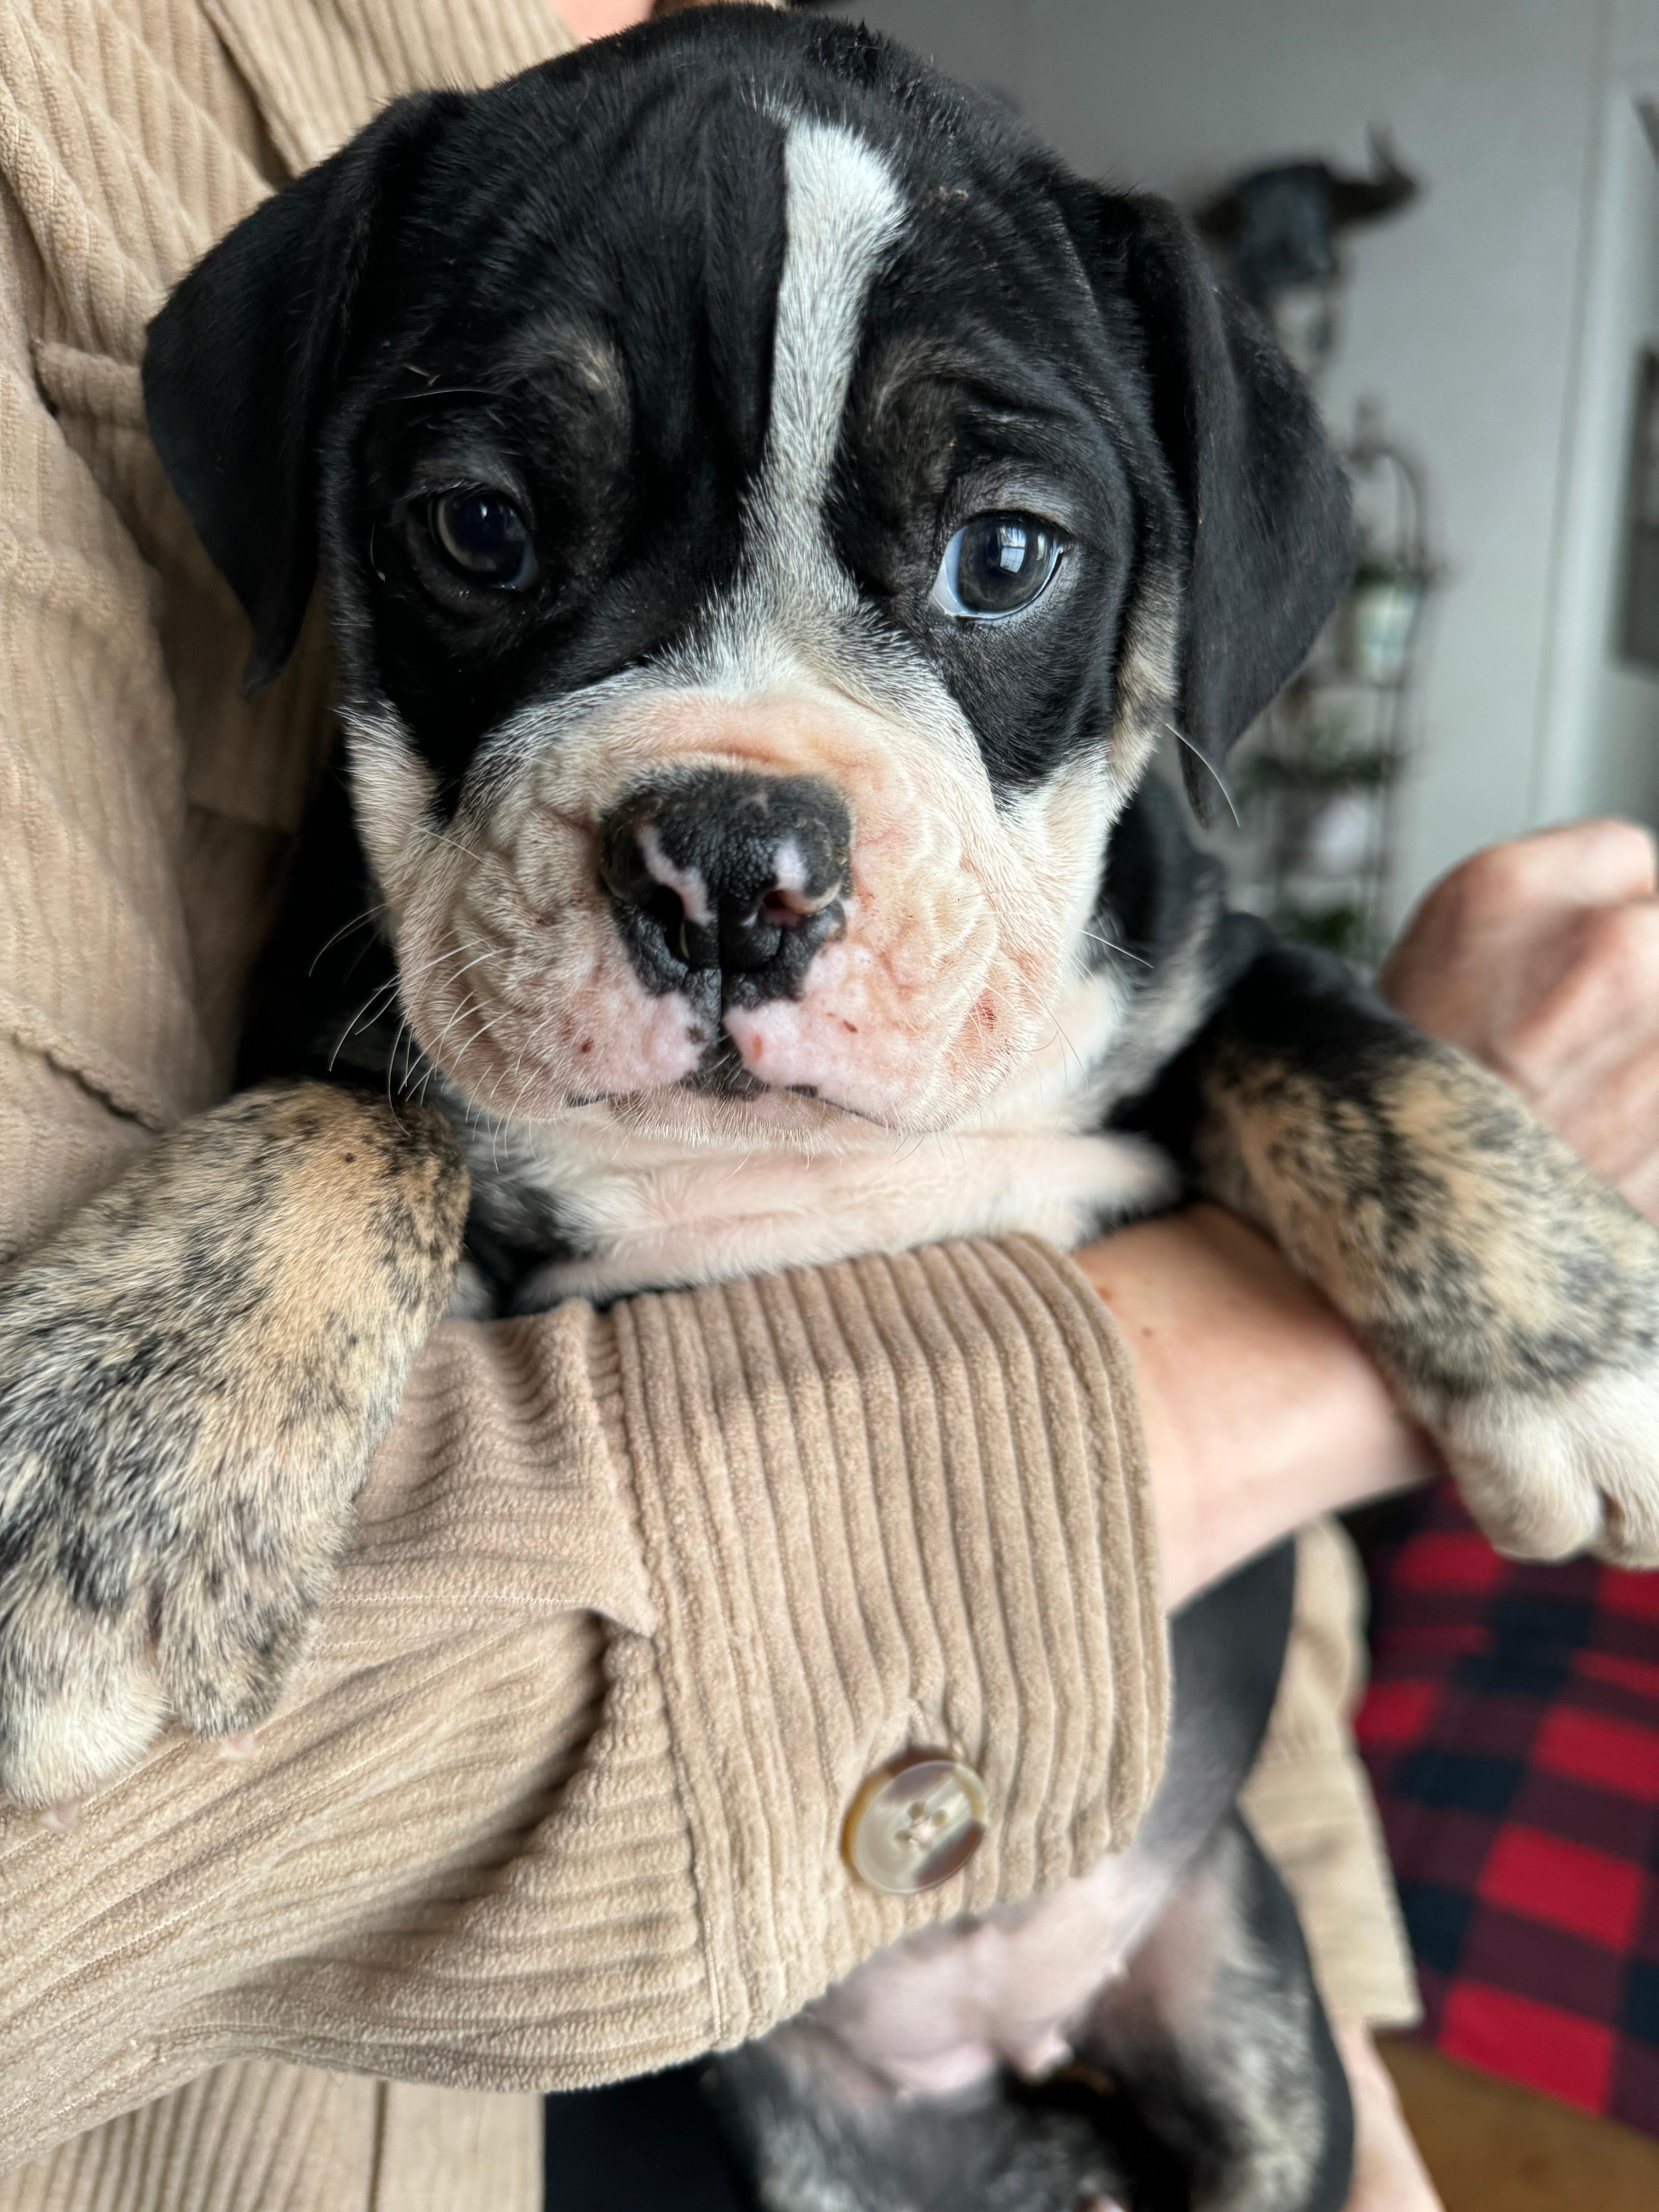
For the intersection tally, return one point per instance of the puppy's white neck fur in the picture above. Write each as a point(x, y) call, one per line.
point(656, 1206)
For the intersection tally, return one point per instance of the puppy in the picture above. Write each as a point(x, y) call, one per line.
point(770, 511)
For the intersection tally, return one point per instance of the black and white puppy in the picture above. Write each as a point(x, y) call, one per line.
point(770, 511)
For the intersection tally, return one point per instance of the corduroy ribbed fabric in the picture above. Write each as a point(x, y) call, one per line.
point(254, 2137)
point(635, 1598)
point(637, 1602)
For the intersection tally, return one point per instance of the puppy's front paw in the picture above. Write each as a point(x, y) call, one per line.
point(1513, 1297)
point(1541, 1383)
point(193, 1378)
point(1536, 1364)
point(1575, 1469)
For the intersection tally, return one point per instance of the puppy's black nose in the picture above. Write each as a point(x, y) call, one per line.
point(728, 881)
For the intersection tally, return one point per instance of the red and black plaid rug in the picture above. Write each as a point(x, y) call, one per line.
point(1512, 1732)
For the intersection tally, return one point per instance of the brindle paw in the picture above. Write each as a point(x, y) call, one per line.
point(1511, 1295)
point(1574, 1471)
point(193, 1378)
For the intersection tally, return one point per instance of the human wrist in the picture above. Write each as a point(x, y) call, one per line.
point(1259, 1408)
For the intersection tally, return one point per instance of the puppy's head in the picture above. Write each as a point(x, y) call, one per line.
point(769, 508)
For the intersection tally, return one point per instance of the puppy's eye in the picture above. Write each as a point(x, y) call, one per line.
point(483, 538)
point(996, 565)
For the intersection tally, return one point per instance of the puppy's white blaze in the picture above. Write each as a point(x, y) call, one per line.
point(842, 210)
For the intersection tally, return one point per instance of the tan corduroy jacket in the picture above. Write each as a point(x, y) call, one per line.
point(638, 1598)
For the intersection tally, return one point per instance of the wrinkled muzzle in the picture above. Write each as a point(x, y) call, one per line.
point(791, 894)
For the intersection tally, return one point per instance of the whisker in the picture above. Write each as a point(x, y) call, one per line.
point(358, 921)
point(1069, 1048)
point(1094, 937)
point(435, 391)
point(381, 999)
point(469, 1003)
point(385, 993)
point(1220, 786)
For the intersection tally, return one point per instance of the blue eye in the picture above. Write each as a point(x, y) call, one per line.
point(996, 564)
point(483, 538)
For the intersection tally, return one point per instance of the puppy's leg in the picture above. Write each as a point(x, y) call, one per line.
point(817, 2131)
point(193, 1378)
point(1213, 2054)
point(1512, 1296)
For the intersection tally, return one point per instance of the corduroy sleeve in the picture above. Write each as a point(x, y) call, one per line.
point(637, 1602)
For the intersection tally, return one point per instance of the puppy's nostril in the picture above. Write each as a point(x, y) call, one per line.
point(667, 909)
point(783, 908)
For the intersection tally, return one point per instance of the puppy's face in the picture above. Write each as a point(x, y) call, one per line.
point(759, 569)
point(747, 647)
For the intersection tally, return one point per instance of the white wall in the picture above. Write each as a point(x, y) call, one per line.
point(1469, 316)
point(1600, 723)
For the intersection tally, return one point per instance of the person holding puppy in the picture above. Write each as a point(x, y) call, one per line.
point(544, 1808)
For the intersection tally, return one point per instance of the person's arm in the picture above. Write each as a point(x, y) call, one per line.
point(1260, 1409)
point(636, 1603)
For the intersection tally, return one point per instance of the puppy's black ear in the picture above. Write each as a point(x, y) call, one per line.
point(240, 363)
point(1265, 505)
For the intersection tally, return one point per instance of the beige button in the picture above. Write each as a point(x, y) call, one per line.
point(916, 1821)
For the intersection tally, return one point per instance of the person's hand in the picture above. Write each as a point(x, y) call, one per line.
point(1540, 957)
point(598, 19)
point(1388, 2173)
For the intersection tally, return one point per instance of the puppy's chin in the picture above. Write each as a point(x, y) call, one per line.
point(682, 1118)
point(768, 1121)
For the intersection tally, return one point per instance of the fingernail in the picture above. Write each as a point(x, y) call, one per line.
point(62, 1816)
point(242, 1745)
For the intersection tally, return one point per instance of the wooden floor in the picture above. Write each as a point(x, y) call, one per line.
point(1494, 2148)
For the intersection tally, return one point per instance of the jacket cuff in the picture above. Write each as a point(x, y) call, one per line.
point(897, 1502)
